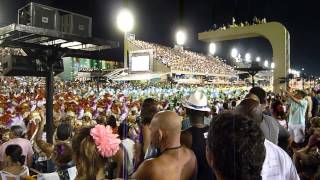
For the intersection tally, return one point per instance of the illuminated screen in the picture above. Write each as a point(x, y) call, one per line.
point(140, 63)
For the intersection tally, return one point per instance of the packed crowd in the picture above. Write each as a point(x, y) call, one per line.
point(140, 131)
point(187, 61)
point(255, 21)
point(11, 51)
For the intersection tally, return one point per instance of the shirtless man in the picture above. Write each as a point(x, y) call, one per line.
point(175, 162)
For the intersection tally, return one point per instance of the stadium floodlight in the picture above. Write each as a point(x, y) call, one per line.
point(234, 53)
point(272, 65)
point(125, 20)
point(266, 63)
point(212, 48)
point(181, 37)
point(248, 57)
point(258, 59)
point(298, 73)
point(302, 69)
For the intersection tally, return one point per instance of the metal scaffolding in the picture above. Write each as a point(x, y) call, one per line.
point(50, 46)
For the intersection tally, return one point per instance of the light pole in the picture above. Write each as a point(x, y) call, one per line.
point(266, 63)
point(125, 22)
point(258, 59)
point(272, 65)
point(234, 53)
point(212, 48)
point(181, 37)
point(248, 57)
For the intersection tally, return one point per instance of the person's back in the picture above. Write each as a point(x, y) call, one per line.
point(180, 164)
point(14, 159)
point(277, 164)
point(194, 137)
point(174, 161)
point(198, 145)
point(129, 145)
point(270, 128)
point(16, 134)
point(13, 173)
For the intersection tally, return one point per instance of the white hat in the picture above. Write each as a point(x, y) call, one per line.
point(197, 101)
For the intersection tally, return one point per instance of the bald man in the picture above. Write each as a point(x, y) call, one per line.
point(175, 162)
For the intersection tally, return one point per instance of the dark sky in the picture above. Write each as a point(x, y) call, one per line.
point(157, 20)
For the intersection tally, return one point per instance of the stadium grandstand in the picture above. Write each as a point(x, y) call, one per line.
point(181, 61)
point(11, 51)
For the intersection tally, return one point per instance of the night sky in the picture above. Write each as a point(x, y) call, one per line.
point(157, 21)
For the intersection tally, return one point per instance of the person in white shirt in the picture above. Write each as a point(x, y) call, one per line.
point(297, 111)
point(129, 146)
point(277, 164)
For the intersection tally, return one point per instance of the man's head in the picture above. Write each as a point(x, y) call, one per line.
point(300, 94)
point(197, 106)
point(253, 97)
point(165, 128)
point(251, 109)
point(64, 131)
point(235, 148)
point(261, 93)
point(313, 93)
point(16, 132)
point(148, 110)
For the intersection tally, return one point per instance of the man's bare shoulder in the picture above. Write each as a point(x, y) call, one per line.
point(189, 153)
point(146, 169)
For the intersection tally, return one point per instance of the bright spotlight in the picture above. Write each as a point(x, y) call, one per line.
point(258, 59)
point(266, 63)
point(248, 57)
point(272, 65)
point(125, 20)
point(234, 53)
point(181, 37)
point(212, 48)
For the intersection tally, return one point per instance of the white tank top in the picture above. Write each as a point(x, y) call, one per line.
point(5, 175)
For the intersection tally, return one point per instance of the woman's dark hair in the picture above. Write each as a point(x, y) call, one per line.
point(225, 106)
point(112, 121)
point(241, 153)
point(15, 153)
point(64, 131)
point(148, 109)
point(123, 130)
point(277, 109)
point(62, 153)
point(233, 103)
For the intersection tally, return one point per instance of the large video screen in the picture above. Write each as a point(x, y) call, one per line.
point(140, 63)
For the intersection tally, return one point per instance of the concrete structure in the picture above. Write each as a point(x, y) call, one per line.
point(275, 32)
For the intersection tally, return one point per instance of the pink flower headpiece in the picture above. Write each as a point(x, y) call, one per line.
point(107, 143)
